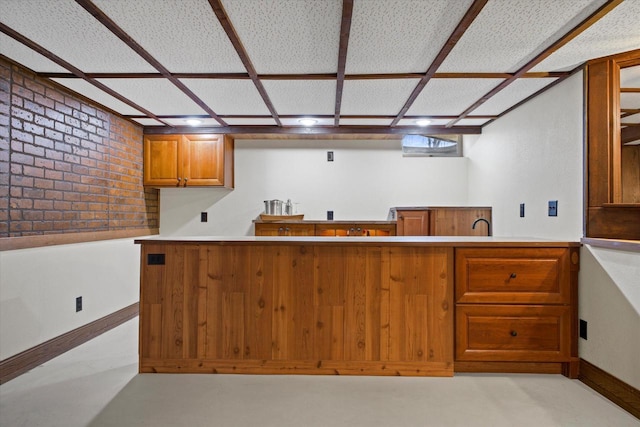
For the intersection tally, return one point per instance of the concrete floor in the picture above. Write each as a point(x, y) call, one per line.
point(97, 384)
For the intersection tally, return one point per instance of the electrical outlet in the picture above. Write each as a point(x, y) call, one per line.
point(78, 304)
point(521, 210)
point(553, 208)
point(329, 156)
point(583, 329)
point(330, 215)
point(203, 217)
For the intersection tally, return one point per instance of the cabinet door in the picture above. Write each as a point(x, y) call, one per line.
point(163, 160)
point(203, 160)
point(413, 223)
point(459, 221)
point(332, 230)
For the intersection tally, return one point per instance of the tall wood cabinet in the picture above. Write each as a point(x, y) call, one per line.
point(188, 161)
point(443, 221)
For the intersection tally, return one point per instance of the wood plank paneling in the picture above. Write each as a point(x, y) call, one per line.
point(251, 304)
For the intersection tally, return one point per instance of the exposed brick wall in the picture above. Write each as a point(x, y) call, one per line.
point(66, 165)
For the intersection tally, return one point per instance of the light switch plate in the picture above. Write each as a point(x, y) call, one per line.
point(553, 208)
point(521, 210)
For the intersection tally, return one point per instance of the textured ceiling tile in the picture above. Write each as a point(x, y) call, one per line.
point(616, 32)
point(511, 95)
point(434, 122)
point(296, 122)
point(246, 121)
point(379, 97)
point(288, 36)
point(472, 122)
point(302, 96)
point(206, 121)
point(450, 96)
point(59, 25)
point(156, 95)
point(227, 96)
point(184, 36)
point(400, 36)
point(365, 122)
point(25, 56)
point(85, 88)
point(148, 122)
point(508, 33)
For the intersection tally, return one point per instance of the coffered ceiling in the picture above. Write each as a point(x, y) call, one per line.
point(354, 66)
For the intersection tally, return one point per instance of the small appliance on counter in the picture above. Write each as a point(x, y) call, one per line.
point(276, 210)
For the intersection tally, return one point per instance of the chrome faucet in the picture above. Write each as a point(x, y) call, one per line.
point(483, 220)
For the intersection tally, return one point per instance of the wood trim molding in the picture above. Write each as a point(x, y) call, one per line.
point(345, 29)
point(13, 243)
point(617, 391)
point(23, 362)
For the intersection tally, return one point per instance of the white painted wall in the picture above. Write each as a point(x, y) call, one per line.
point(38, 288)
point(362, 183)
point(535, 154)
point(610, 303)
point(532, 155)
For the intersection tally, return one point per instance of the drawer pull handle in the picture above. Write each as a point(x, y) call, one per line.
point(514, 333)
point(512, 275)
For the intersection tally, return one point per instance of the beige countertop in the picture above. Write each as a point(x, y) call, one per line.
point(456, 241)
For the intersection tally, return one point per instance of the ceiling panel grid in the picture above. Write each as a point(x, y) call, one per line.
point(616, 32)
point(66, 29)
point(183, 36)
point(450, 96)
point(88, 90)
point(25, 56)
point(511, 95)
point(302, 96)
point(226, 96)
point(288, 36)
point(400, 36)
point(157, 95)
point(508, 33)
point(378, 97)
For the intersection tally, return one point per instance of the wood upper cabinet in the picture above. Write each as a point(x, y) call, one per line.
point(355, 230)
point(412, 222)
point(324, 228)
point(443, 221)
point(188, 161)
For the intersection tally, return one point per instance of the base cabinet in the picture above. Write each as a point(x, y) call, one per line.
point(188, 161)
point(443, 221)
point(516, 305)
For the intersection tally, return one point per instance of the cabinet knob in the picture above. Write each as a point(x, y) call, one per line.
point(185, 181)
point(179, 179)
point(512, 275)
point(280, 230)
point(514, 333)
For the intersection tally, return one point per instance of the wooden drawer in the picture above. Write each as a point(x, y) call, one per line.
point(512, 275)
point(513, 333)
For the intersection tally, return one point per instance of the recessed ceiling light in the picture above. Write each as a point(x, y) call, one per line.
point(307, 122)
point(193, 122)
point(423, 122)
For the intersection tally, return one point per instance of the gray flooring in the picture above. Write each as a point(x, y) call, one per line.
point(97, 384)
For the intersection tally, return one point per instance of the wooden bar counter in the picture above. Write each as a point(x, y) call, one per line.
point(330, 305)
